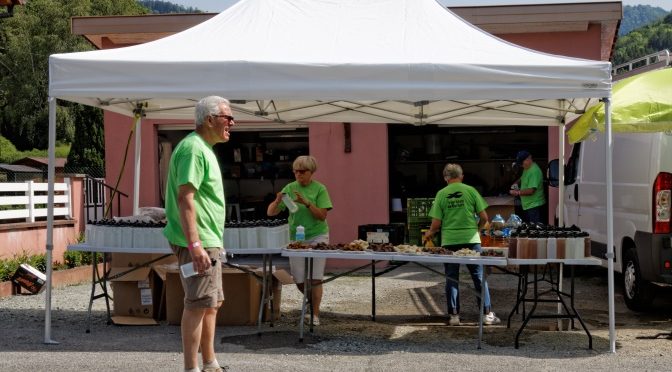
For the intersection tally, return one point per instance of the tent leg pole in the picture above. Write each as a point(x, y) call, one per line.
point(610, 224)
point(50, 219)
point(136, 174)
point(561, 204)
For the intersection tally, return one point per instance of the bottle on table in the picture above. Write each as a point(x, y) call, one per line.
point(300, 233)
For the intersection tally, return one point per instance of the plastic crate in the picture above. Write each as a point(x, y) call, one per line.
point(418, 209)
point(415, 232)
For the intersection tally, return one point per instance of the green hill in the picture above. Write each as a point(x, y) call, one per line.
point(164, 7)
point(638, 16)
point(644, 40)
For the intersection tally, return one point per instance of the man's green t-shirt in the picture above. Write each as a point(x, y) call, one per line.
point(316, 193)
point(194, 162)
point(456, 206)
point(532, 178)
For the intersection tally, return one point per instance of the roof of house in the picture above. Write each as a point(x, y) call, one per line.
point(15, 168)
point(60, 162)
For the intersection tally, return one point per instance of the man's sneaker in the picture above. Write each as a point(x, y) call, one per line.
point(490, 319)
point(454, 320)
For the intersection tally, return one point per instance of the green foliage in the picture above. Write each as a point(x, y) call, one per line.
point(638, 16)
point(163, 7)
point(38, 29)
point(644, 40)
point(88, 149)
point(9, 153)
point(72, 259)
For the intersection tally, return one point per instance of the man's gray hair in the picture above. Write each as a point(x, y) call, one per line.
point(208, 106)
point(452, 171)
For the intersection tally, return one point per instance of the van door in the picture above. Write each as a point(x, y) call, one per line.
point(590, 189)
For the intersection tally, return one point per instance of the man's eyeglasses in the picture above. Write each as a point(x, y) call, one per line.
point(301, 171)
point(227, 117)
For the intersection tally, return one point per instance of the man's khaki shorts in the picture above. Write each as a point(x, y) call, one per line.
point(201, 291)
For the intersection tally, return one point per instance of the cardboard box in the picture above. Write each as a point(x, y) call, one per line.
point(134, 296)
point(140, 259)
point(29, 278)
point(242, 296)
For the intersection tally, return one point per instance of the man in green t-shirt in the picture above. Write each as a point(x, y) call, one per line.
point(195, 212)
point(530, 188)
point(454, 212)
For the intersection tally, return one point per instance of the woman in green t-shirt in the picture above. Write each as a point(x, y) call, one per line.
point(313, 202)
point(453, 212)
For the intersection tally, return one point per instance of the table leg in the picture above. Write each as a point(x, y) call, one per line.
point(482, 307)
point(373, 290)
point(270, 292)
point(534, 306)
point(94, 282)
point(305, 298)
point(522, 292)
point(262, 302)
point(576, 313)
point(310, 292)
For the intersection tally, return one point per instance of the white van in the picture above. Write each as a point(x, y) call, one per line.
point(642, 181)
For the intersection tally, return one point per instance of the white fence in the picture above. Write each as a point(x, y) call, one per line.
point(28, 200)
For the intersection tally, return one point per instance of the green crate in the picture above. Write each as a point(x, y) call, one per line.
point(415, 232)
point(418, 208)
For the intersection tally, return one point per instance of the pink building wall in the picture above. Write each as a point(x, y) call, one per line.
point(357, 181)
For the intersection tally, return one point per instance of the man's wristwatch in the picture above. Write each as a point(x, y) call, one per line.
point(193, 245)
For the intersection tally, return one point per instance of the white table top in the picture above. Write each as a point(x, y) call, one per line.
point(369, 256)
point(590, 261)
point(89, 248)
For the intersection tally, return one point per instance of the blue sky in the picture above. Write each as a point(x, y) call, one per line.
point(219, 5)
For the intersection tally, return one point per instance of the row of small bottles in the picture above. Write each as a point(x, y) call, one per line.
point(111, 234)
point(256, 234)
point(122, 223)
point(539, 241)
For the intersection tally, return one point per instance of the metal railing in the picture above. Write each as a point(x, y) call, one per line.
point(648, 62)
point(96, 195)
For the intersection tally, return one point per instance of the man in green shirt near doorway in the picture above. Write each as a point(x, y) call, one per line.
point(530, 188)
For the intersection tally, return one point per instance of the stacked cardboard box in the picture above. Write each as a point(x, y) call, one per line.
point(137, 293)
point(242, 292)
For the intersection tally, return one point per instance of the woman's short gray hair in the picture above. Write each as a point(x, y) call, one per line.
point(208, 106)
point(305, 162)
point(452, 171)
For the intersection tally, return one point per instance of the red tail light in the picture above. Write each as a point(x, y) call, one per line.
point(662, 203)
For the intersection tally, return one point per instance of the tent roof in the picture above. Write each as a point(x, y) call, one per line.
point(407, 61)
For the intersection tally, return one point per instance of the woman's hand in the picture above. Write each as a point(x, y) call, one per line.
point(300, 199)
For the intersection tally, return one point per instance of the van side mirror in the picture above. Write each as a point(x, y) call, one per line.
point(554, 173)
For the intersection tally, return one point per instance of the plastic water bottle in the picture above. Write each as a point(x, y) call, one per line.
point(188, 269)
point(289, 203)
point(300, 233)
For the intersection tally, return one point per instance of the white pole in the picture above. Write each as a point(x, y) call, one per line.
point(561, 203)
point(136, 177)
point(50, 219)
point(610, 225)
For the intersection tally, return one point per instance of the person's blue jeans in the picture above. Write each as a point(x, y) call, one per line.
point(453, 286)
point(535, 214)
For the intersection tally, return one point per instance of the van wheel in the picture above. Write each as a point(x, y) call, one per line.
point(638, 293)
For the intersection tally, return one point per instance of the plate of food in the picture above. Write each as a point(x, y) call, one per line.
point(298, 246)
point(466, 252)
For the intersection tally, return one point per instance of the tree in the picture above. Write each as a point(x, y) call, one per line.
point(162, 7)
point(644, 40)
point(37, 30)
point(638, 16)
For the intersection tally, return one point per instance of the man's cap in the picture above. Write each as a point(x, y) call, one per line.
point(521, 156)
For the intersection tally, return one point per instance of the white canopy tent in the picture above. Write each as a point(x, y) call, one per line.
point(301, 61)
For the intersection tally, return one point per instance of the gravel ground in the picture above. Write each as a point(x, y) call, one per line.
point(411, 333)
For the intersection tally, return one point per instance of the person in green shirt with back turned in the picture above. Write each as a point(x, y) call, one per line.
point(531, 189)
point(313, 202)
point(454, 212)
